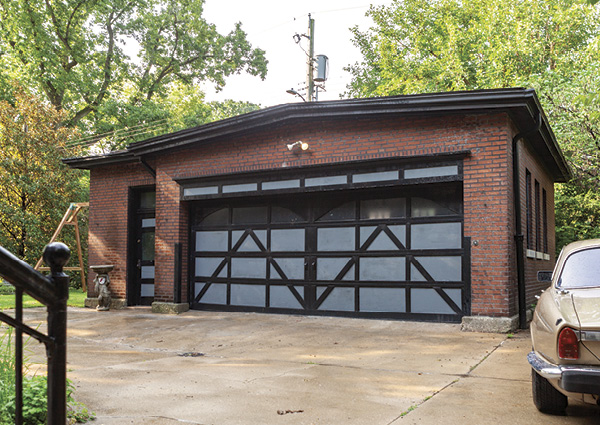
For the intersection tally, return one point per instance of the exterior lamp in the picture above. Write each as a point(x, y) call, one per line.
point(299, 145)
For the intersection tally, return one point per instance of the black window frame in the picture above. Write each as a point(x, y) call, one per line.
point(538, 217)
point(545, 220)
point(528, 210)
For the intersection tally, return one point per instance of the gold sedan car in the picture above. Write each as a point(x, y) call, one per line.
point(565, 331)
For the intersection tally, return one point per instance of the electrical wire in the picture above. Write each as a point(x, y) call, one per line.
point(120, 134)
point(113, 132)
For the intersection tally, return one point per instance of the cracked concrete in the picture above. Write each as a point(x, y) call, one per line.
point(277, 369)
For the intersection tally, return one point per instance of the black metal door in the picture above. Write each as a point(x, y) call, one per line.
point(141, 273)
point(378, 253)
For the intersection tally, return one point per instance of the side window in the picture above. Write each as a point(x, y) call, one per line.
point(538, 218)
point(528, 209)
point(545, 220)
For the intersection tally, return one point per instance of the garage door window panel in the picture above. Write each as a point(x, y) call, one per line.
point(385, 269)
point(212, 241)
point(248, 295)
point(335, 269)
point(438, 202)
point(249, 240)
point(379, 300)
point(281, 184)
point(336, 239)
point(211, 293)
point(325, 181)
point(219, 217)
point(287, 268)
point(439, 269)
point(436, 236)
point(342, 212)
point(381, 209)
point(419, 173)
point(336, 298)
point(249, 268)
point(375, 177)
point(286, 297)
point(291, 240)
point(436, 301)
point(382, 238)
point(287, 215)
point(211, 267)
point(249, 215)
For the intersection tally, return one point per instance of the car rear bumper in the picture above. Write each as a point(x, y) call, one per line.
point(572, 378)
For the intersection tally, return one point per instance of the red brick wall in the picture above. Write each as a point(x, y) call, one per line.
point(171, 228)
point(487, 187)
point(109, 197)
point(533, 265)
point(488, 219)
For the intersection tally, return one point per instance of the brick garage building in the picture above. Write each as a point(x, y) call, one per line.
point(397, 207)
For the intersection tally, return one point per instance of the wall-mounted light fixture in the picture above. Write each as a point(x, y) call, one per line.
point(298, 146)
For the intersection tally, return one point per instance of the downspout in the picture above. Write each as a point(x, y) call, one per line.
point(519, 237)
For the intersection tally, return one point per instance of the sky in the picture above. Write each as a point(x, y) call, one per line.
point(271, 26)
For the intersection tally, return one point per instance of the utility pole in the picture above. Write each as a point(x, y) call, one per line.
point(321, 64)
point(310, 84)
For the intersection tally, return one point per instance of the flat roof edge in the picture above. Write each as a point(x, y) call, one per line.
point(88, 162)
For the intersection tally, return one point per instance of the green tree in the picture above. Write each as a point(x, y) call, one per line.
point(120, 122)
point(35, 187)
point(578, 212)
point(550, 45)
point(445, 45)
point(72, 51)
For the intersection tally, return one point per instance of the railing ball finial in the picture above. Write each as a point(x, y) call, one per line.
point(56, 256)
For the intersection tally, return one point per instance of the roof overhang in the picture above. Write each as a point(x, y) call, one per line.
point(522, 106)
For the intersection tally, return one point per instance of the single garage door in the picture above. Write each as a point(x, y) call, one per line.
point(389, 253)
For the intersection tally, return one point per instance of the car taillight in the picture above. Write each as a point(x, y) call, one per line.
point(568, 345)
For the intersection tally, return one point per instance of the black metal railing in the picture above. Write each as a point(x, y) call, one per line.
point(53, 292)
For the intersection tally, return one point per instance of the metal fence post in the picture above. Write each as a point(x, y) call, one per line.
point(55, 256)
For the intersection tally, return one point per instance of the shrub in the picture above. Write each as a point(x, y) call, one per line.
point(35, 401)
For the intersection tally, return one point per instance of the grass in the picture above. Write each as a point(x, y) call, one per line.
point(76, 299)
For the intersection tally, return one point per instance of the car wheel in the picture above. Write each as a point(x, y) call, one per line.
point(545, 397)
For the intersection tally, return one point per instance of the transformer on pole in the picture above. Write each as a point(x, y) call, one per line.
point(321, 64)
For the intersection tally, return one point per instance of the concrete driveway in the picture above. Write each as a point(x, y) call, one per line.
point(135, 367)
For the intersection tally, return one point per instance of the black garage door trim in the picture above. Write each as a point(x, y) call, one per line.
point(381, 253)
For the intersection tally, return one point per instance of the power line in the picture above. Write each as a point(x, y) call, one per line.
point(112, 132)
point(121, 134)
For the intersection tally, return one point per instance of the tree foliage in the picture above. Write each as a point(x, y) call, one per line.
point(550, 45)
point(121, 122)
point(73, 51)
point(35, 187)
point(447, 45)
point(578, 212)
